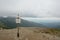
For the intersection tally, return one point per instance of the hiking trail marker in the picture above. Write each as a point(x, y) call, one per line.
point(18, 21)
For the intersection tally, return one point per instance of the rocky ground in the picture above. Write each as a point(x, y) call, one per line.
point(26, 34)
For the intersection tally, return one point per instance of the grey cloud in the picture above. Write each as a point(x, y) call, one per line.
point(30, 8)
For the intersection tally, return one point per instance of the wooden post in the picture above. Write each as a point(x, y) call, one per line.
point(18, 21)
point(18, 30)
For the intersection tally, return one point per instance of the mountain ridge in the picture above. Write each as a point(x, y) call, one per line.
point(10, 22)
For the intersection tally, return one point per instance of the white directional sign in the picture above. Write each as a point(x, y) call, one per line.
point(18, 19)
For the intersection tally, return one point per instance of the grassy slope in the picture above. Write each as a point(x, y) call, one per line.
point(27, 33)
point(51, 31)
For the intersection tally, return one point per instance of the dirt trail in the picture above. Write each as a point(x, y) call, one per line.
point(25, 34)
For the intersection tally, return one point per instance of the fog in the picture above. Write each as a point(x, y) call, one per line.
point(30, 8)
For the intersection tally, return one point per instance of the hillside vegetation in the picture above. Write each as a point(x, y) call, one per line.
point(2, 25)
point(10, 22)
point(51, 31)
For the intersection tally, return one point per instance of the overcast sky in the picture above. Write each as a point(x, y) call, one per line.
point(30, 8)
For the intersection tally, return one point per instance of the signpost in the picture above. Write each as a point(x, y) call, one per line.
point(18, 21)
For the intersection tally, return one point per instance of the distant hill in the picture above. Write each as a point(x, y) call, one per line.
point(48, 23)
point(52, 24)
point(10, 22)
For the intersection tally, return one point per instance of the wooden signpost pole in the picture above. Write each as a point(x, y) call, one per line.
point(18, 21)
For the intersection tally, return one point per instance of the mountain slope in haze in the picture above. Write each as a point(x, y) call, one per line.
point(11, 22)
point(26, 23)
point(52, 25)
point(49, 23)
